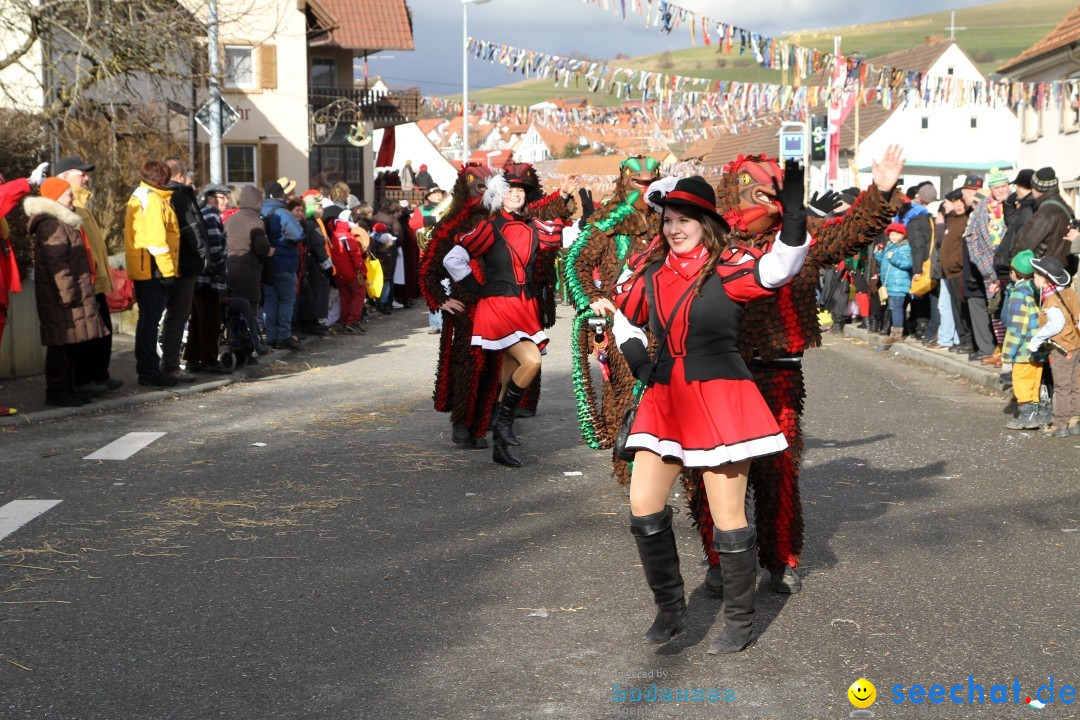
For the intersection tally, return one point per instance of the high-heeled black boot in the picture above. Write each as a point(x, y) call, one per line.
point(738, 559)
point(500, 454)
point(503, 430)
point(660, 558)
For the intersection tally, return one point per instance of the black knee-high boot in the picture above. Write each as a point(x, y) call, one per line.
point(659, 557)
point(738, 559)
point(503, 430)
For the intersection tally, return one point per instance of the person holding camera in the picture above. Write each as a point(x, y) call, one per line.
point(508, 313)
point(701, 407)
point(152, 249)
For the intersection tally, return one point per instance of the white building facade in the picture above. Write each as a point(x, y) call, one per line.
point(944, 144)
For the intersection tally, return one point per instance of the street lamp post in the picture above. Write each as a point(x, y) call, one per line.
point(465, 76)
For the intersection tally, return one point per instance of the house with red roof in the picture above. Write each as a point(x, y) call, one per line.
point(1051, 136)
point(289, 76)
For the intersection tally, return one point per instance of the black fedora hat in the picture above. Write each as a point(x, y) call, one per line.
point(1051, 269)
point(694, 192)
point(523, 175)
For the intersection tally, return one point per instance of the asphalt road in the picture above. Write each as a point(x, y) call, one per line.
point(356, 566)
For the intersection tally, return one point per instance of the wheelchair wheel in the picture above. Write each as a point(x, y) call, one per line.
point(228, 360)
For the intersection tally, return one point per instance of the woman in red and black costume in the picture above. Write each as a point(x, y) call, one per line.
point(508, 313)
point(700, 408)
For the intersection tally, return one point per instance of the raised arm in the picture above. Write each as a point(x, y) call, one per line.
point(840, 238)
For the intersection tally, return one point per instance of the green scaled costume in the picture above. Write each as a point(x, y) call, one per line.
point(621, 227)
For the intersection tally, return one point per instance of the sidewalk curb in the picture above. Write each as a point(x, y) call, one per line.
point(143, 398)
point(988, 378)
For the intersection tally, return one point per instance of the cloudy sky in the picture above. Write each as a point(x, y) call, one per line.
point(564, 26)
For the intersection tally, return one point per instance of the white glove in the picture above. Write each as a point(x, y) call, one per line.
point(1032, 347)
point(39, 174)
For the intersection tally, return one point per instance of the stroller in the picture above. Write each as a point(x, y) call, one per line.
point(237, 341)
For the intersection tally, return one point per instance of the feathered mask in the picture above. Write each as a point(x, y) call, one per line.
point(497, 187)
point(658, 189)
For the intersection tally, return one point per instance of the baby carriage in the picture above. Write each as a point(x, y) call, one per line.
point(236, 344)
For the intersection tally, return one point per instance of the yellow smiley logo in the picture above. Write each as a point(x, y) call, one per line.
point(862, 693)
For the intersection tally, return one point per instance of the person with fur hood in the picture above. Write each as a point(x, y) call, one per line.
point(11, 193)
point(64, 285)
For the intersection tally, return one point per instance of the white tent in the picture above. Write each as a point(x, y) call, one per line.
point(410, 143)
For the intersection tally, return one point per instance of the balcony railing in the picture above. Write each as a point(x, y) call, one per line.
point(383, 108)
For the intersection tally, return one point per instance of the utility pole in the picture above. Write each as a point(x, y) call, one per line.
point(215, 94)
point(465, 76)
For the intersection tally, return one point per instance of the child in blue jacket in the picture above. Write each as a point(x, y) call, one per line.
point(895, 263)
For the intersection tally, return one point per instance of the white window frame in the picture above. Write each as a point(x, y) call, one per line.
point(227, 78)
point(1030, 123)
point(1070, 116)
point(254, 164)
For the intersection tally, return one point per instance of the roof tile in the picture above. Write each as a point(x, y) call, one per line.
point(1066, 32)
point(370, 25)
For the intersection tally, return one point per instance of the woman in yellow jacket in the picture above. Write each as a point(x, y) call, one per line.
point(151, 244)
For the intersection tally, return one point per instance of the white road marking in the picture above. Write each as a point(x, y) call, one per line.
point(19, 512)
point(125, 446)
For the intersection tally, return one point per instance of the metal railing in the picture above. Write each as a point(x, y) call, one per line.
point(382, 108)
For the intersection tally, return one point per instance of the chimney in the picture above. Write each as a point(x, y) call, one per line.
point(932, 39)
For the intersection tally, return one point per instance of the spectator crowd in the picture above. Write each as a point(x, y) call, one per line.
point(989, 273)
point(219, 275)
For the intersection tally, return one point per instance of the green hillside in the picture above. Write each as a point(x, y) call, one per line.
point(996, 32)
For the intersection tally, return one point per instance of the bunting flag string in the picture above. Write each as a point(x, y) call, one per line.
point(741, 100)
point(681, 123)
point(769, 52)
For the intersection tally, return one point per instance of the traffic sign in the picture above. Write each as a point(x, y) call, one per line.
point(229, 116)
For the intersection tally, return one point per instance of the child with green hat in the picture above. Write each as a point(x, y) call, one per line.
point(1021, 323)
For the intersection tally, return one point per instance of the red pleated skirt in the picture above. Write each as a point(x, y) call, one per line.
point(705, 424)
point(504, 321)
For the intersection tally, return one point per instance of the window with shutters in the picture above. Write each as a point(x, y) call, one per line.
point(239, 68)
point(268, 163)
point(267, 67)
point(239, 164)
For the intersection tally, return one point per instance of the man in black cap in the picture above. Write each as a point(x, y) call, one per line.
point(1044, 234)
point(972, 185)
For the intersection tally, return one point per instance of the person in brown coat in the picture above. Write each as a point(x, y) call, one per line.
point(93, 358)
point(64, 284)
point(952, 268)
point(248, 246)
